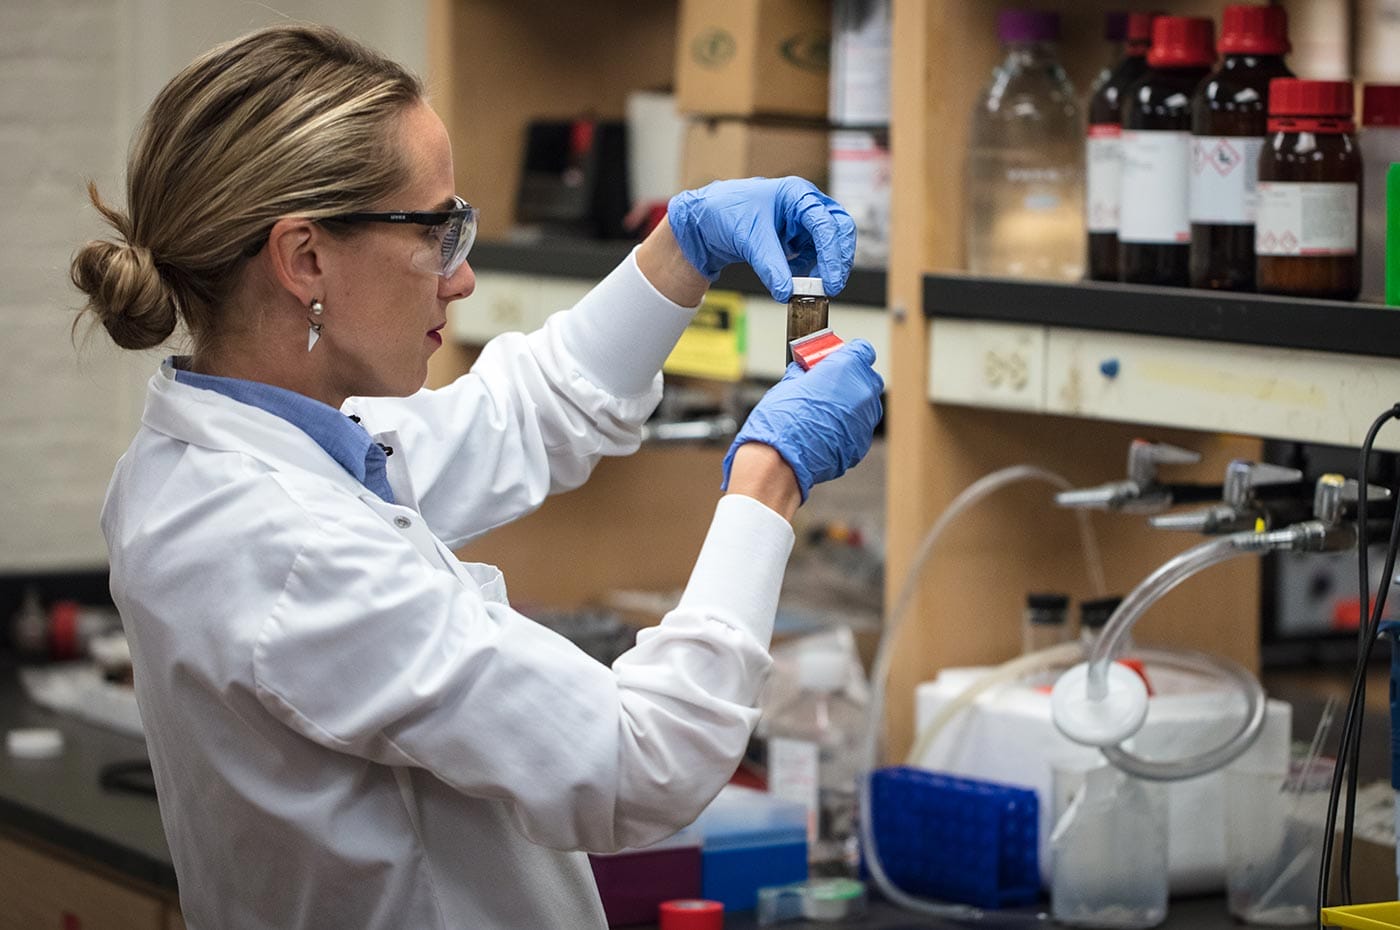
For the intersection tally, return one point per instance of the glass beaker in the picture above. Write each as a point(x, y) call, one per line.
point(1274, 826)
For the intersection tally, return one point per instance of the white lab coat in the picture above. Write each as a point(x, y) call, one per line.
point(350, 728)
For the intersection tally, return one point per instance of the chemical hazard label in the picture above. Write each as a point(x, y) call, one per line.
point(1306, 219)
point(1224, 179)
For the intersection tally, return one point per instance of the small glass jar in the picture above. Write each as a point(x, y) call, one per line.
point(808, 310)
point(1045, 622)
point(1308, 227)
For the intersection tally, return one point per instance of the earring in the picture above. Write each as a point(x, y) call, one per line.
point(315, 332)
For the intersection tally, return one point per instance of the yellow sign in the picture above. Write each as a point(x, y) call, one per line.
point(712, 346)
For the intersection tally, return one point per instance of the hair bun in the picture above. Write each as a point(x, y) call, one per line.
point(126, 292)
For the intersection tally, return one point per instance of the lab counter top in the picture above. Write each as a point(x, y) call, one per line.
point(60, 803)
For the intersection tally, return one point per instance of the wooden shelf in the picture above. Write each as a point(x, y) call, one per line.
point(1249, 364)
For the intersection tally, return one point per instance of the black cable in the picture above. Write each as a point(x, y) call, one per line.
point(1371, 636)
point(1349, 747)
point(1354, 750)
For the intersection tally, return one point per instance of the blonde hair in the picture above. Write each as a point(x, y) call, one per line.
point(289, 120)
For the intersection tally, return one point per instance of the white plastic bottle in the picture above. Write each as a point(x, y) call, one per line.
point(1025, 166)
point(1109, 854)
point(814, 758)
point(1380, 147)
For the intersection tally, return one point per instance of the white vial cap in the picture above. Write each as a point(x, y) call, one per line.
point(34, 743)
point(807, 287)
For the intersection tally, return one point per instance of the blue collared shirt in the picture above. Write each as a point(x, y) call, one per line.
point(344, 439)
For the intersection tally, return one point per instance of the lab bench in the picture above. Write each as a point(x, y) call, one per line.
point(69, 846)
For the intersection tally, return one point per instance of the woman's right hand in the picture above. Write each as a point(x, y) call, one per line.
point(820, 421)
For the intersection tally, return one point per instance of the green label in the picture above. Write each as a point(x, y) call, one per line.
point(712, 48)
point(810, 51)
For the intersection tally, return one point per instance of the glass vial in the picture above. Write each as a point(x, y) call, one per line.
point(1103, 179)
point(1229, 120)
point(1155, 226)
point(1093, 617)
point(1380, 148)
point(1025, 170)
point(1045, 622)
point(1308, 227)
point(808, 310)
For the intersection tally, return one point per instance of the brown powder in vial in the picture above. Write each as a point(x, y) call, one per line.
point(808, 310)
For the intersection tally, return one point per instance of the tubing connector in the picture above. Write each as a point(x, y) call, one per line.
point(1141, 492)
point(1240, 509)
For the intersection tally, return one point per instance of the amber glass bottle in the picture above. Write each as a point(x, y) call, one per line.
point(1155, 229)
point(1308, 226)
point(1229, 120)
point(1103, 149)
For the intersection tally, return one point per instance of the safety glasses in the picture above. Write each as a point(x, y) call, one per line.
point(453, 231)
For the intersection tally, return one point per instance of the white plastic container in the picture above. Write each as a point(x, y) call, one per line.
point(1380, 147)
point(1007, 736)
point(1109, 854)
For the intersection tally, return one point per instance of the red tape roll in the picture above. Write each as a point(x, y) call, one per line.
point(692, 914)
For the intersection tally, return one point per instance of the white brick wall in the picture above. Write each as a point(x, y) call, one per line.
point(75, 76)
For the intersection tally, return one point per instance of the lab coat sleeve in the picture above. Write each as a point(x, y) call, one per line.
point(537, 411)
point(374, 652)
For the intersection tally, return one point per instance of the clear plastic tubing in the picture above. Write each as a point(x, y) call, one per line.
point(879, 675)
point(1110, 641)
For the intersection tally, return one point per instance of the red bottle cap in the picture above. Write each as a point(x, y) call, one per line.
point(1182, 42)
point(1140, 26)
point(1254, 30)
point(1295, 97)
point(1380, 105)
point(691, 914)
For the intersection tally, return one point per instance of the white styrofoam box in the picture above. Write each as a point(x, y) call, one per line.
point(1007, 736)
point(1294, 394)
point(987, 364)
point(766, 337)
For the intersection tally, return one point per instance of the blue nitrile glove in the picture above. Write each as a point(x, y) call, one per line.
point(820, 421)
point(780, 226)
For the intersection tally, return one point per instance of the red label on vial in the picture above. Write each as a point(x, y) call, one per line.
point(812, 348)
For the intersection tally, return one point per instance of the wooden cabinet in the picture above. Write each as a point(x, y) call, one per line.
point(39, 891)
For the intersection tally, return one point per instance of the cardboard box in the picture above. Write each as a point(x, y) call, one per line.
point(754, 57)
point(730, 148)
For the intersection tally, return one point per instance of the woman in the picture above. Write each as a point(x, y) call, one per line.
point(348, 726)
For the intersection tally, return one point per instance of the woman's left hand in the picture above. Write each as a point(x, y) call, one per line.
point(779, 226)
